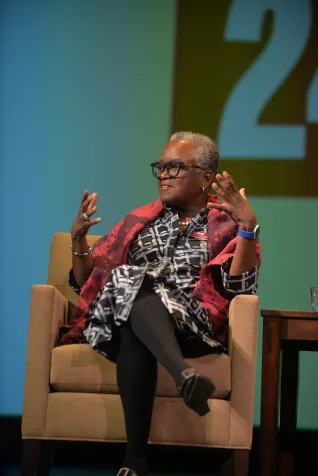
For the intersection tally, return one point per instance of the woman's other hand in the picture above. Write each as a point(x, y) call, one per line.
point(84, 220)
point(234, 202)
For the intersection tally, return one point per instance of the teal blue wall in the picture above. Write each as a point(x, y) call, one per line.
point(85, 94)
point(85, 102)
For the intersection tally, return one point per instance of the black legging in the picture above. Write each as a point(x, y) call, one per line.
point(149, 337)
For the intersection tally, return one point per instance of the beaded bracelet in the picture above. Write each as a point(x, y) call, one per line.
point(81, 254)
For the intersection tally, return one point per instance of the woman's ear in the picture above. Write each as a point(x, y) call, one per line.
point(209, 177)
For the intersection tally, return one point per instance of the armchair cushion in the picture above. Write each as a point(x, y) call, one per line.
point(77, 368)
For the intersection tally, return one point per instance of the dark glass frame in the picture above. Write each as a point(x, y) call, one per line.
point(176, 164)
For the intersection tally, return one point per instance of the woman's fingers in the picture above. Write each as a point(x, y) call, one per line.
point(85, 200)
point(218, 206)
point(225, 184)
point(85, 204)
point(91, 211)
point(88, 201)
point(92, 203)
point(83, 221)
point(84, 196)
point(95, 221)
point(89, 214)
point(85, 226)
point(230, 181)
point(218, 190)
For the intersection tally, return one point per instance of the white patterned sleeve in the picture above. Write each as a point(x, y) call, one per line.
point(245, 283)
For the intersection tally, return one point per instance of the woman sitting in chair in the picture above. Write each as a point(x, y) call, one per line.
point(157, 287)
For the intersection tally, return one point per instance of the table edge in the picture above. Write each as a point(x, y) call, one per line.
point(289, 314)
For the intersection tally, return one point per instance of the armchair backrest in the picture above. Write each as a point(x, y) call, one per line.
point(61, 262)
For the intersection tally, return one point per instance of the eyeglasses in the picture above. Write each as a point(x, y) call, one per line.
point(173, 168)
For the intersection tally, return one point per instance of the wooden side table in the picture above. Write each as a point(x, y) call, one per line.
point(289, 332)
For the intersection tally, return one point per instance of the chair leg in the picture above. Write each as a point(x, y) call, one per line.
point(241, 462)
point(237, 464)
point(45, 458)
point(227, 468)
point(30, 453)
point(37, 457)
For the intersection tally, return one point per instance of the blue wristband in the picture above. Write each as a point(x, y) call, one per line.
point(249, 235)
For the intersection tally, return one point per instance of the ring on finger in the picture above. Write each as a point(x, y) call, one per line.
point(85, 217)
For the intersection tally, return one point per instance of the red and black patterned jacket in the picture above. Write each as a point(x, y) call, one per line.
point(112, 250)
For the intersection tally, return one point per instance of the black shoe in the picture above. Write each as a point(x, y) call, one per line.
point(126, 472)
point(196, 391)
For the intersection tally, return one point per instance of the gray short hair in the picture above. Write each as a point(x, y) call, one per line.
point(207, 156)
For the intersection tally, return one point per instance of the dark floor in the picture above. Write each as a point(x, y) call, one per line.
point(65, 471)
point(97, 459)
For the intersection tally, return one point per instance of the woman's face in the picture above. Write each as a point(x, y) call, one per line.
point(186, 188)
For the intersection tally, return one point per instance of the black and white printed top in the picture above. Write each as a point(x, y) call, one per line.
point(172, 260)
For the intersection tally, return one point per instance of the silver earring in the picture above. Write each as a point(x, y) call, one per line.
point(203, 189)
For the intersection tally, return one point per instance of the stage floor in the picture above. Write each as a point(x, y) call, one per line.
point(15, 471)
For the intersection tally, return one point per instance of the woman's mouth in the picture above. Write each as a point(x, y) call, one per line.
point(164, 186)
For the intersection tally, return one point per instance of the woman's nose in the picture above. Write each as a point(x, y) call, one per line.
point(163, 174)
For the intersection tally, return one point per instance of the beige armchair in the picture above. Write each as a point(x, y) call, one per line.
point(71, 392)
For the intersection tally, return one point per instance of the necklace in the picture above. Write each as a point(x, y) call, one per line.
point(183, 223)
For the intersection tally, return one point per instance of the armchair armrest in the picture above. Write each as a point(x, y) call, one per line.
point(46, 316)
point(243, 322)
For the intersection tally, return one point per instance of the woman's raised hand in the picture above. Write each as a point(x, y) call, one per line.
point(84, 220)
point(234, 201)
